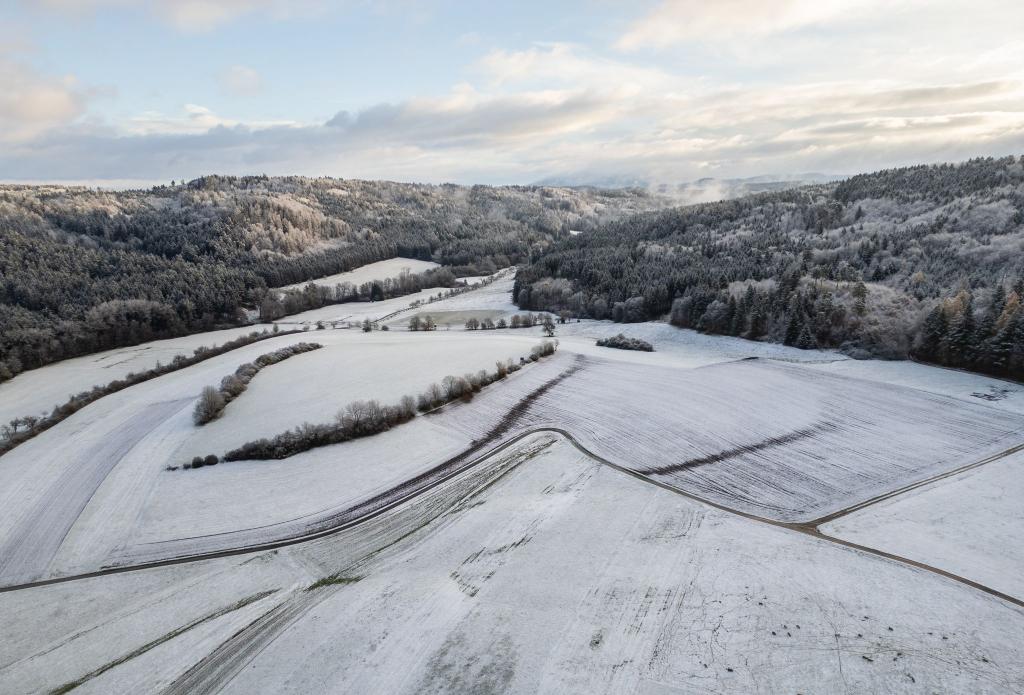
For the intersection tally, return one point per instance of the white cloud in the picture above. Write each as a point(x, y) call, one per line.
point(192, 120)
point(675, 21)
point(860, 86)
point(31, 103)
point(561, 63)
point(239, 80)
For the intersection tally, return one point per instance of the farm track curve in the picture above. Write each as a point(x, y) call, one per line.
point(461, 463)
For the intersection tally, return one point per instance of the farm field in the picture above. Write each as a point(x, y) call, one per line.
point(688, 486)
point(969, 524)
point(539, 571)
point(35, 392)
point(381, 270)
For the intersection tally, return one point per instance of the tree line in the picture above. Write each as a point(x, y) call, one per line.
point(23, 428)
point(83, 270)
point(920, 261)
point(365, 418)
point(213, 400)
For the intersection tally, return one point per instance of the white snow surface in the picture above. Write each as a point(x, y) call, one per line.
point(37, 391)
point(969, 524)
point(541, 571)
point(538, 568)
point(381, 270)
point(770, 438)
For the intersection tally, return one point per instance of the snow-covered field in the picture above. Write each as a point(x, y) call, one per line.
point(35, 392)
point(539, 566)
point(381, 270)
point(355, 312)
point(969, 524)
point(541, 571)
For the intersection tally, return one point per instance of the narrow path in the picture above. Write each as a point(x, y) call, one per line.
point(814, 523)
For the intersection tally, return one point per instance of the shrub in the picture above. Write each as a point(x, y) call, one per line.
point(621, 342)
point(209, 406)
point(9, 438)
point(233, 385)
point(365, 418)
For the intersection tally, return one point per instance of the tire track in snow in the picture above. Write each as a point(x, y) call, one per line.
point(221, 665)
point(440, 474)
point(34, 541)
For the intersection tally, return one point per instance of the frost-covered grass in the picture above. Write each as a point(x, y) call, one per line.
point(355, 312)
point(766, 437)
point(973, 388)
point(970, 524)
point(381, 270)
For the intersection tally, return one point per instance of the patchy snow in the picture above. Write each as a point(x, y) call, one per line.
point(538, 568)
point(352, 365)
point(100, 460)
point(381, 270)
point(970, 524)
point(769, 438)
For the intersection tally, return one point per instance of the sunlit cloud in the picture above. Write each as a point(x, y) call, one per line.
point(672, 97)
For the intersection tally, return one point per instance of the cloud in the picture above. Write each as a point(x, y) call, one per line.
point(676, 21)
point(32, 103)
point(547, 108)
point(239, 80)
point(470, 117)
point(194, 119)
point(562, 63)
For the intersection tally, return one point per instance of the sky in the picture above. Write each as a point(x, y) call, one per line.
point(125, 92)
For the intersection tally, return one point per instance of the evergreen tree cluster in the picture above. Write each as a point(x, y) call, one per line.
point(922, 261)
point(83, 270)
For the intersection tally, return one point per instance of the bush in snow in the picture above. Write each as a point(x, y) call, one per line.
point(213, 401)
point(621, 342)
point(365, 418)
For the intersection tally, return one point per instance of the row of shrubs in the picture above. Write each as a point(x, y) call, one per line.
point(22, 429)
point(454, 291)
point(365, 418)
point(212, 401)
point(623, 343)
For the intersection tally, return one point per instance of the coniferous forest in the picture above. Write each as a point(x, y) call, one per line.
point(83, 270)
point(925, 262)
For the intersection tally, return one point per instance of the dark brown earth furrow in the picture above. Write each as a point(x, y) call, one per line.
point(769, 443)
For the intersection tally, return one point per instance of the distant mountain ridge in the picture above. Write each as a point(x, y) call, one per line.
point(704, 190)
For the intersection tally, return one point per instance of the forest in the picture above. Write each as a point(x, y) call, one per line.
point(83, 270)
point(924, 262)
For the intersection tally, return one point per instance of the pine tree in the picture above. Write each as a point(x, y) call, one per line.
point(794, 327)
point(961, 344)
point(860, 296)
point(806, 340)
point(933, 336)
